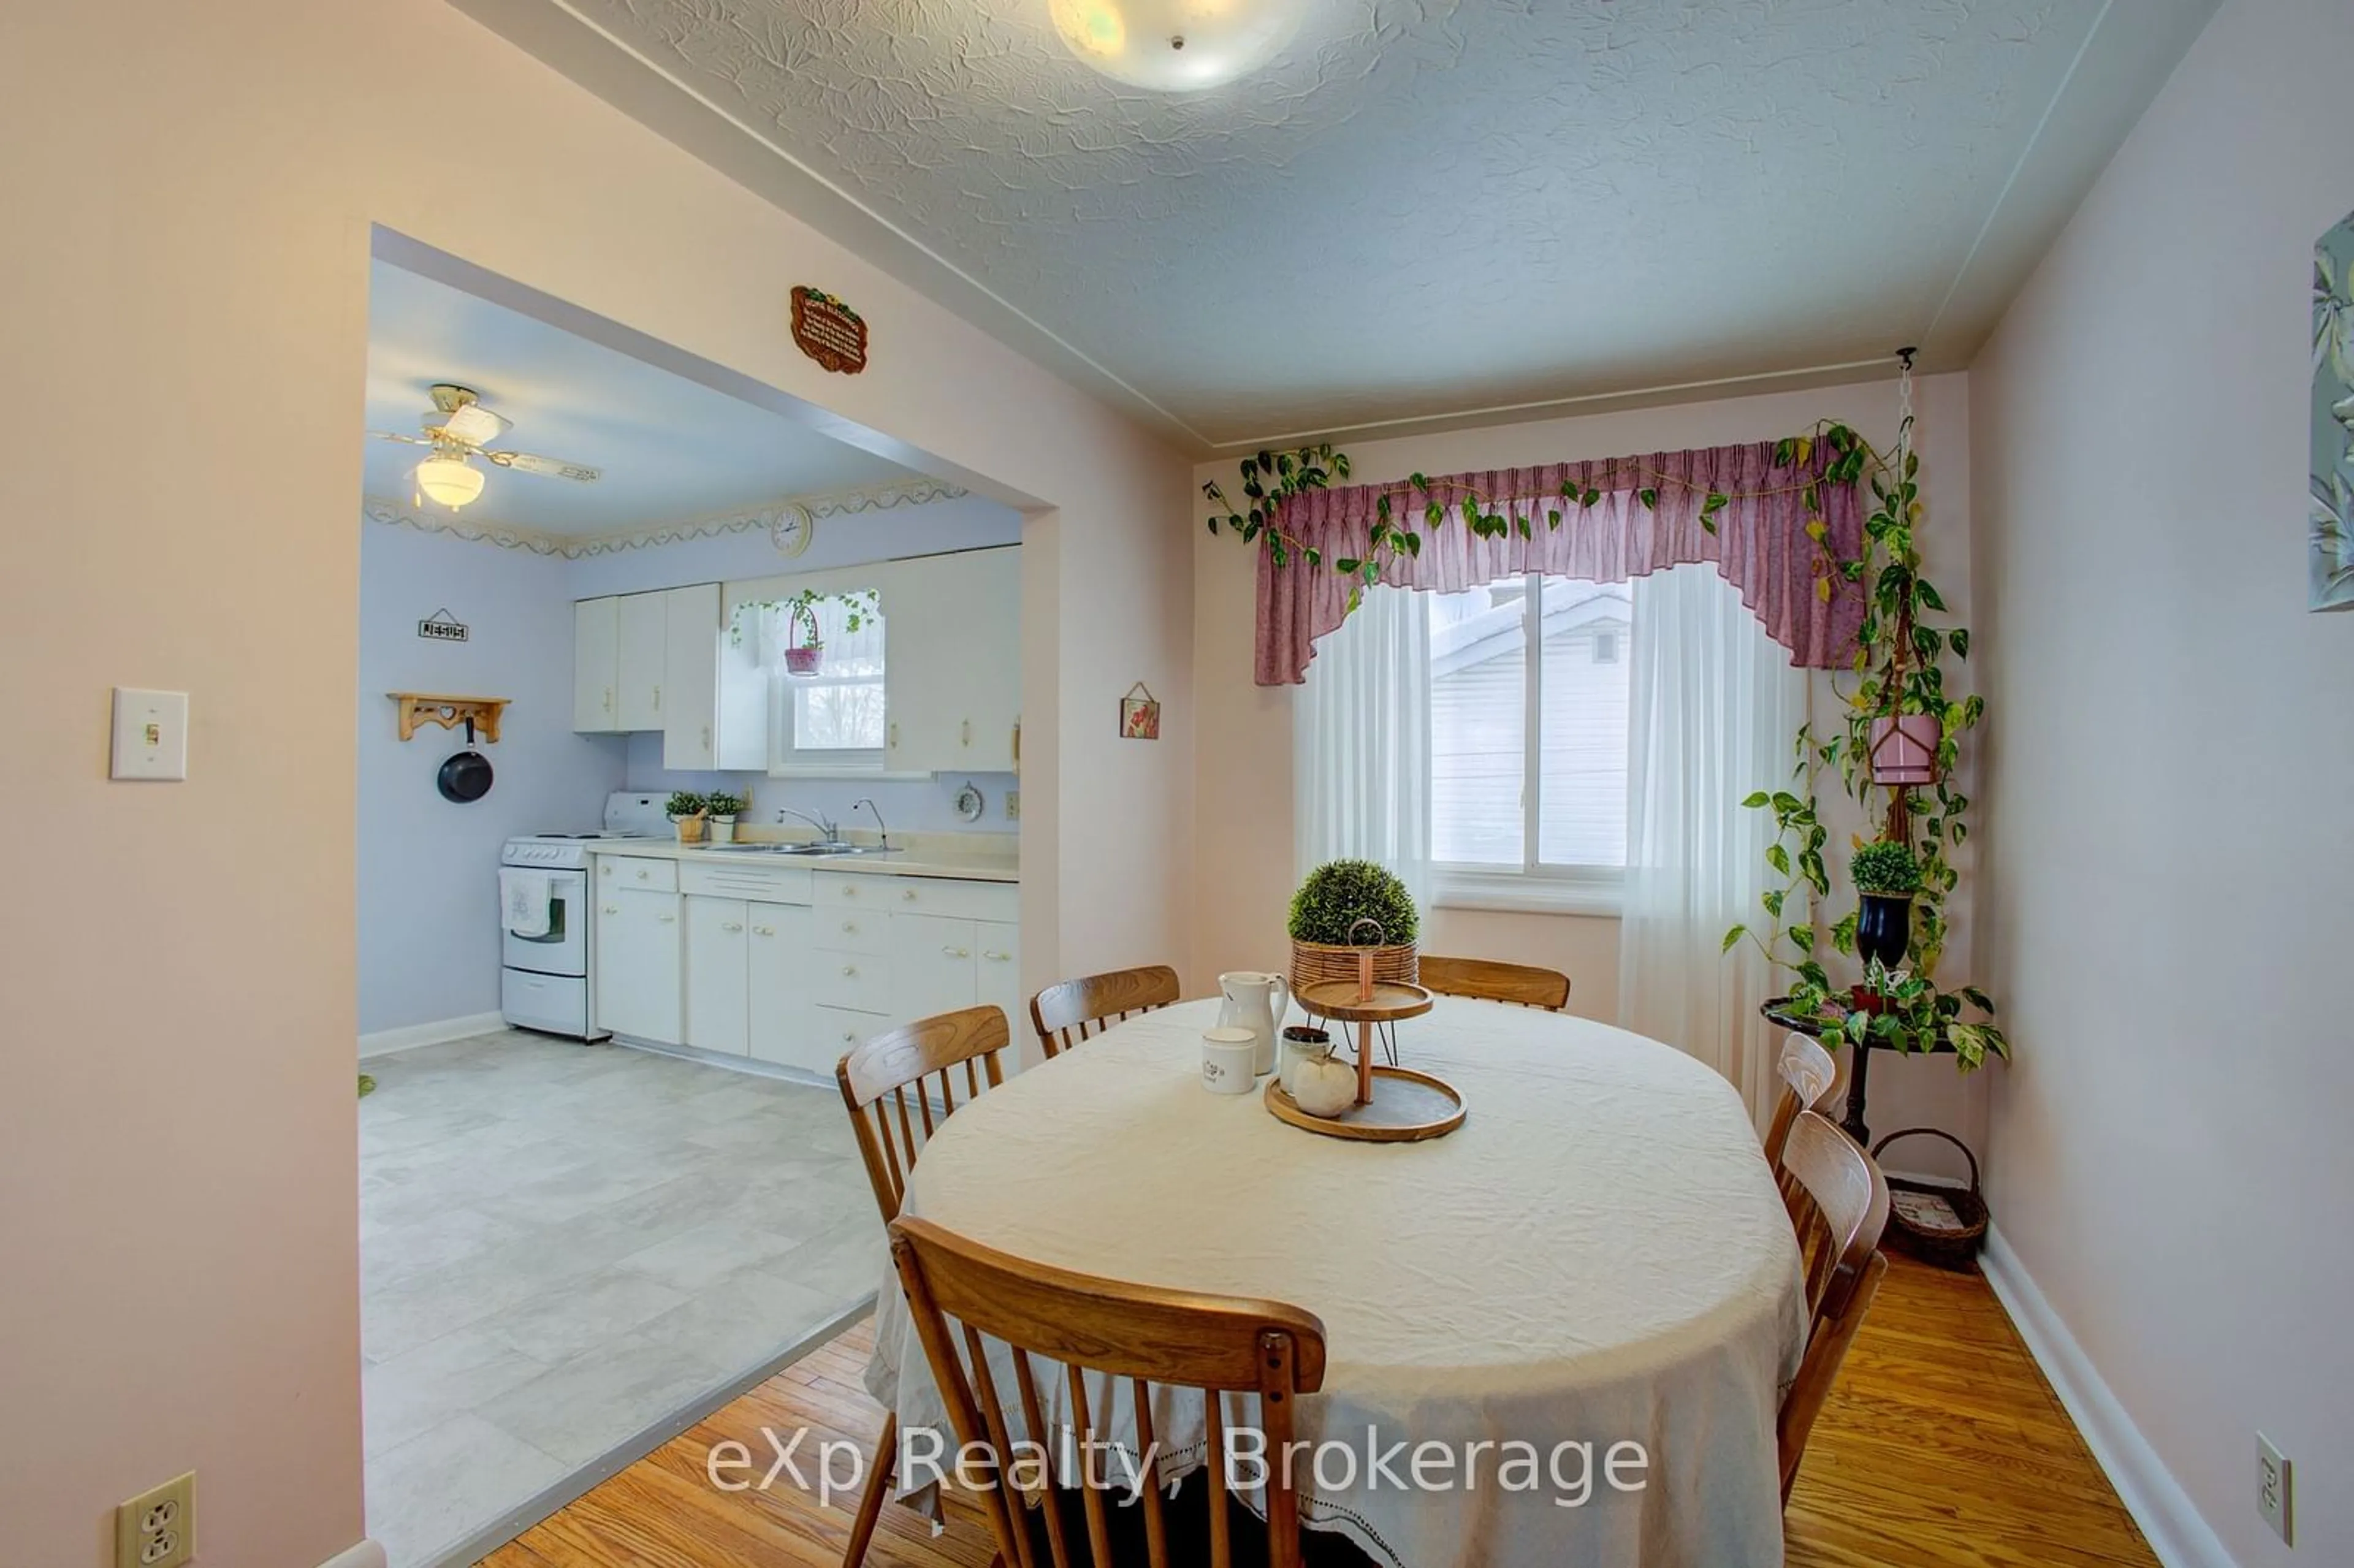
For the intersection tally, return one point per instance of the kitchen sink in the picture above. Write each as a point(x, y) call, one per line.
point(805, 851)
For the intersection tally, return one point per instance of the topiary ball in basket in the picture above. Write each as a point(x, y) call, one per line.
point(1336, 896)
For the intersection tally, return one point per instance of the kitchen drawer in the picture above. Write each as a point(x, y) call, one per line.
point(920, 895)
point(853, 929)
point(724, 878)
point(840, 1030)
point(642, 872)
point(858, 982)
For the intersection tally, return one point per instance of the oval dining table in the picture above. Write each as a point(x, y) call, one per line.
point(1598, 1256)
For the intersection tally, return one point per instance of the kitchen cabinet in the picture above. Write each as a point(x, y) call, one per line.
point(644, 645)
point(933, 969)
point(689, 693)
point(997, 979)
point(718, 989)
point(595, 663)
point(953, 673)
point(783, 1019)
point(637, 960)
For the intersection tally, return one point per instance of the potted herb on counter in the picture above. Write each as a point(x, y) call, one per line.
point(686, 808)
point(723, 809)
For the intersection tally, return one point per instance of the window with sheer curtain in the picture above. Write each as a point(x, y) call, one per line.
point(1526, 660)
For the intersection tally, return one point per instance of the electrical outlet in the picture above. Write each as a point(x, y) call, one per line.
point(158, 1528)
point(1014, 805)
point(2274, 1482)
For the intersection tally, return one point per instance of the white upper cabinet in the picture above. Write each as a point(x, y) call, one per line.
point(690, 680)
point(595, 663)
point(953, 683)
point(645, 644)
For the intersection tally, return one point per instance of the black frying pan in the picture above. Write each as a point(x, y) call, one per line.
point(465, 777)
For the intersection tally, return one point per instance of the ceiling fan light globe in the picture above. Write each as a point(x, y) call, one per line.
point(448, 480)
point(1176, 45)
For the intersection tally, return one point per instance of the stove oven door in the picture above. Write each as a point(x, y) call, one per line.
point(564, 950)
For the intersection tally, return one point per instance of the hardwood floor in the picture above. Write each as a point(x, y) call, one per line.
point(1942, 1448)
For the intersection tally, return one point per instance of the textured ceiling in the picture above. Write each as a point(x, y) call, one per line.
point(669, 447)
point(1430, 207)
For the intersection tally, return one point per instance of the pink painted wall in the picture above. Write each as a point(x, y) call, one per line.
point(1244, 866)
point(177, 1129)
point(2167, 900)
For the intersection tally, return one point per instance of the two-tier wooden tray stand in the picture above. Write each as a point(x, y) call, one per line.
point(1395, 1105)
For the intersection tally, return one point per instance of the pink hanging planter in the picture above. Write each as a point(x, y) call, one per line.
point(1903, 748)
point(803, 658)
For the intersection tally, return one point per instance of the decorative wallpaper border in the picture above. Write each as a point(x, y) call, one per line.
point(573, 546)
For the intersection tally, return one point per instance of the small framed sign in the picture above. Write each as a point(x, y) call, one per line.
point(1140, 715)
point(829, 331)
point(442, 626)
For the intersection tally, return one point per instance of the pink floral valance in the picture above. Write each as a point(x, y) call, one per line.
point(1761, 544)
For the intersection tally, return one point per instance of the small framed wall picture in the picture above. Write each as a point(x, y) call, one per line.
point(1140, 715)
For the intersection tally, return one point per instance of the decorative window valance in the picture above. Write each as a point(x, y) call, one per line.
point(1648, 515)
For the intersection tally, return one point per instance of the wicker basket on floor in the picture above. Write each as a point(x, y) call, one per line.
point(1314, 961)
point(1937, 1224)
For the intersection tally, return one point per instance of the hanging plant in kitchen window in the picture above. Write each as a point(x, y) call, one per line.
point(804, 649)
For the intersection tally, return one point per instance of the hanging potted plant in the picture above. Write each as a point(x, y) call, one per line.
point(804, 648)
point(1326, 933)
point(723, 809)
point(686, 809)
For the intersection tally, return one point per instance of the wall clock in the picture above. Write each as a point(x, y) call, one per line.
point(792, 528)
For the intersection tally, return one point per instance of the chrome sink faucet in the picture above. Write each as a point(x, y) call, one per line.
point(880, 826)
point(829, 832)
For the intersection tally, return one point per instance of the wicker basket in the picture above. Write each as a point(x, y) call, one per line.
point(1918, 1222)
point(1314, 961)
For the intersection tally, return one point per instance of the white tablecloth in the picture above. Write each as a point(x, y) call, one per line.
point(1598, 1255)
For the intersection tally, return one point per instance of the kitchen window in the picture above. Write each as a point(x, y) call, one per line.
point(833, 719)
point(1528, 743)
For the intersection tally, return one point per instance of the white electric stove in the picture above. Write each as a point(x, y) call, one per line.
point(544, 978)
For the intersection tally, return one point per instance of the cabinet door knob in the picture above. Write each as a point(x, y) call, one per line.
point(995, 958)
point(967, 737)
point(850, 927)
point(666, 920)
point(908, 893)
point(641, 874)
point(657, 698)
point(764, 930)
point(731, 926)
point(609, 909)
point(850, 891)
point(849, 971)
point(707, 737)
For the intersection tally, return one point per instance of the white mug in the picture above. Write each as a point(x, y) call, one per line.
point(1229, 1061)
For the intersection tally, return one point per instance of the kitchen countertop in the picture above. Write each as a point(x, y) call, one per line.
point(925, 855)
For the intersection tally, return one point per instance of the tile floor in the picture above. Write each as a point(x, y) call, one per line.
point(561, 1244)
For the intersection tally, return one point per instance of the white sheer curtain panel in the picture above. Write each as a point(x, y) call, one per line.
point(1360, 735)
point(1715, 708)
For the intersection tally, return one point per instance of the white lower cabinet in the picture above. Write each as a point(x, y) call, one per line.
point(762, 961)
point(718, 970)
point(783, 1019)
point(638, 963)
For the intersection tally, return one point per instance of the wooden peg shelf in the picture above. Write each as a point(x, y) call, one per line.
point(433, 707)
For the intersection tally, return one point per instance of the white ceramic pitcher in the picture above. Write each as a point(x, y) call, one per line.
point(1251, 1004)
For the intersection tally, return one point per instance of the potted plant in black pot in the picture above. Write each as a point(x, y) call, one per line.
point(1887, 876)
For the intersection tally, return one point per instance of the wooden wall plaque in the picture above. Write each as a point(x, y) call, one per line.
point(829, 331)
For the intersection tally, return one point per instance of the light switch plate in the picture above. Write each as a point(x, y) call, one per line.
point(151, 734)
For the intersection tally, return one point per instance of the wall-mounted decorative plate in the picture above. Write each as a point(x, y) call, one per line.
point(968, 803)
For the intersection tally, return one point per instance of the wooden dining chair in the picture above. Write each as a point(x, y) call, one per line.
point(1071, 1011)
point(963, 1294)
point(1524, 985)
point(1838, 1203)
point(1809, 1074)
point(897, 1085)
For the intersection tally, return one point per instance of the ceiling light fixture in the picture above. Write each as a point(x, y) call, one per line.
point(1176, 45)
point(452, 482)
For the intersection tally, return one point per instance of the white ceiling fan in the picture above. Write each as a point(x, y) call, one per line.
point(456, 431)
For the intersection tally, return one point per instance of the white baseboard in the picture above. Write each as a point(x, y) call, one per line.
point(385, 1041)
point(366, 1554)
point(2175, 1531)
